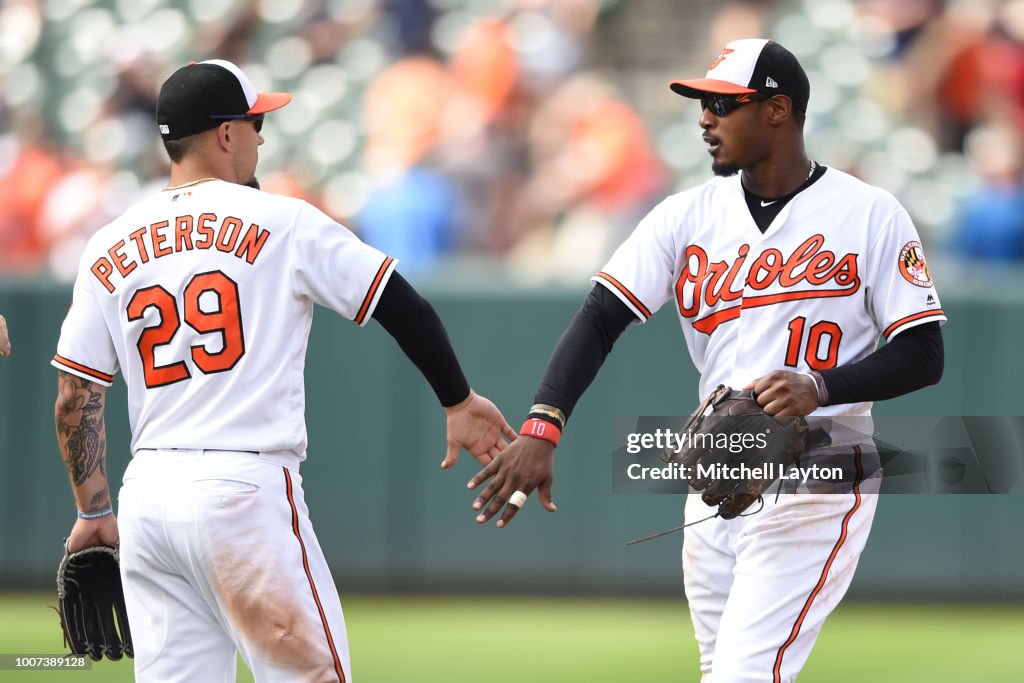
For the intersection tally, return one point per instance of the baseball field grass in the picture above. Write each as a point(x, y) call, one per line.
point(511, 640)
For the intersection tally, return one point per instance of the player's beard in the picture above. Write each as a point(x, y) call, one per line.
point(724, 170)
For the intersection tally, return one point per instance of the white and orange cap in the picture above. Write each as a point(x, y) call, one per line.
point(751, 65)
point(202, 95)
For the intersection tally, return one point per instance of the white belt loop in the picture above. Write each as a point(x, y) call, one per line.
point(289, 459)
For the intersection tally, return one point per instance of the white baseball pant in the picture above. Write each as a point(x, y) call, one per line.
point(760, 587)
point(218, 556)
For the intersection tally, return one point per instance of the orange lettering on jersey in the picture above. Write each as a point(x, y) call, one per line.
point(228, 234)
point(810, 248)
point(183, 233)
point(250, 245)
point(845, 274)
point(136, 237)
point(703, 285)
point(124, 266)
point(698, 273)
point(741, 255)
point(770, 263)
point(204, 229)
point(712, 291)
point(159, 239)
point(695, 270)
point(226, 237)
point(102, 270)
point(818, 268)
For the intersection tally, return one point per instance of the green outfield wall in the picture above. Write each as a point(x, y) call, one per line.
point(389, 518)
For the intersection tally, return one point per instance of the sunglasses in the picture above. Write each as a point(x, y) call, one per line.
point(257, 119)
point(723, 105)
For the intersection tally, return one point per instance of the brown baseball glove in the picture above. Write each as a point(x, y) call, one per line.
point(735, 453)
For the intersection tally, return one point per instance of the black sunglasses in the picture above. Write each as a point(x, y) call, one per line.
point(723, 105)
point(257, 119)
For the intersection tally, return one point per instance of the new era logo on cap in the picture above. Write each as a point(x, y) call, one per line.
point(203, 95)
point(751, 65)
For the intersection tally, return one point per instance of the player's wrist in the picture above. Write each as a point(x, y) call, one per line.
point(451, 410)
point(538, 428)
point(96, 514)
point(820, 388)
point(548, 413)
point(545, 422)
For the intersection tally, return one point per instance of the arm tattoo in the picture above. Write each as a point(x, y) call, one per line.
point(101, 501)
point(80, 428)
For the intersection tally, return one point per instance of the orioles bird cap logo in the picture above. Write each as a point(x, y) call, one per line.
point(718, 60)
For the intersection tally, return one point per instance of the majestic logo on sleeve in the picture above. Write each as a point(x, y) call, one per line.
point(913, 266)
point(810, 272)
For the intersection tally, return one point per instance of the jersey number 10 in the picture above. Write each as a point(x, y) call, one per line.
point(227, 321)
point(812, 354)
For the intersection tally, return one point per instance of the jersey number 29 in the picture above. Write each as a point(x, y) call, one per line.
point(227, 321)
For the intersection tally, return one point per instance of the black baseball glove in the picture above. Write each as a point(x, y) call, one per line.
point(735, 453)
point(92, 611)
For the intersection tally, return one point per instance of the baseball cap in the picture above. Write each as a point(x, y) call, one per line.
point(751, 65)
point(202, 95)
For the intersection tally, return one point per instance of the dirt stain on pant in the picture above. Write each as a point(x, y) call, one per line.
point(268, 602)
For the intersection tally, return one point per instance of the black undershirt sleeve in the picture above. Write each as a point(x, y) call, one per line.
point(912, 360)
point(414, 324)
point(581, 351)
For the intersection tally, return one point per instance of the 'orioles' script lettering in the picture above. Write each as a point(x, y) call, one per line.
point(808, 273)
point(184, 233)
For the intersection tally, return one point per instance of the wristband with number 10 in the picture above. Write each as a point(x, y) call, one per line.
point(541, 429)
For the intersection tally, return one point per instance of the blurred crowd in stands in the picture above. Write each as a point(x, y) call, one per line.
point(531, 134)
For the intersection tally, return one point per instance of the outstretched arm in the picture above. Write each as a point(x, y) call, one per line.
point(474, 423)
point(5, 340)
point(528, 463)
point(82, 439)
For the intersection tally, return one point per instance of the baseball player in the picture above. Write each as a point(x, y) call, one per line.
point(5, 340)
point(784, 274)
point(202, 297)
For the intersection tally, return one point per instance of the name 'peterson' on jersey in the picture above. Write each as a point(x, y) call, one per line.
point(159, 239)
point(810, 272)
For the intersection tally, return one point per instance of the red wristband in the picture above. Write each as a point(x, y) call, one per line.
point(541, 429)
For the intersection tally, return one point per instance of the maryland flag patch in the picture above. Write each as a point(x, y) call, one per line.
point(913, 266)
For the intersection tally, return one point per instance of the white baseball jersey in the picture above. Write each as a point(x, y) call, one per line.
point(202, 296)
point(841, 265)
